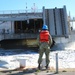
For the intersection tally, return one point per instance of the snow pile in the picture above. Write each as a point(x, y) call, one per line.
point(8, 62)
point(66, 59)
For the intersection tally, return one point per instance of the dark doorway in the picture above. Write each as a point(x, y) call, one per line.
point(33, 26)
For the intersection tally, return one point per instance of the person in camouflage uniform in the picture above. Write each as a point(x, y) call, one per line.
point(44, 41)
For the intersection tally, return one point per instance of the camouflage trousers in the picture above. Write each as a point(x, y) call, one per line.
point(44, 48)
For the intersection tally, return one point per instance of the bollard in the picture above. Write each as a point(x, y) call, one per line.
point(56, 62)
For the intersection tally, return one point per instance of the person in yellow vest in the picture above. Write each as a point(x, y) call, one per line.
point(44, 41)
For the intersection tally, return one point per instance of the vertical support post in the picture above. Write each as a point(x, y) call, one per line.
point(21, 27)
point(16, 27)
point(34, 26)
point(72, 25)
point(11, 26)
point(44, 16)
point(65, 22)
point(56, 62)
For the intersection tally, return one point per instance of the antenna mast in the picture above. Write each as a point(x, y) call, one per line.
point(26, 7)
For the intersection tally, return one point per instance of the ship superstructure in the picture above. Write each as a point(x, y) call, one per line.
point(26, 24)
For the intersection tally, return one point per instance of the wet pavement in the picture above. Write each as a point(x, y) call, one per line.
point(35, 73)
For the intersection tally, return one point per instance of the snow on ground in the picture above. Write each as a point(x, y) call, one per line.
point(13, 60)
point(70, 46)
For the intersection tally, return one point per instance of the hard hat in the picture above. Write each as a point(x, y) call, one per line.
point(45, 27)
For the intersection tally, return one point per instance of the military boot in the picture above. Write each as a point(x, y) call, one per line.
point(39, 67)
point(47, 66)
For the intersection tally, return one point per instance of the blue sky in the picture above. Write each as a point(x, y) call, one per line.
point(21, 4)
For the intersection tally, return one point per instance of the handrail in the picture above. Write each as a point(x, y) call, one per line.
point(18, 36)
point(20, 11)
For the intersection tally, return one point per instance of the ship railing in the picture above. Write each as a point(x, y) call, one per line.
point(18, 36)
point(20, 11)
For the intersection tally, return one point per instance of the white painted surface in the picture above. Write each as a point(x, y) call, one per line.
point(5, 26)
